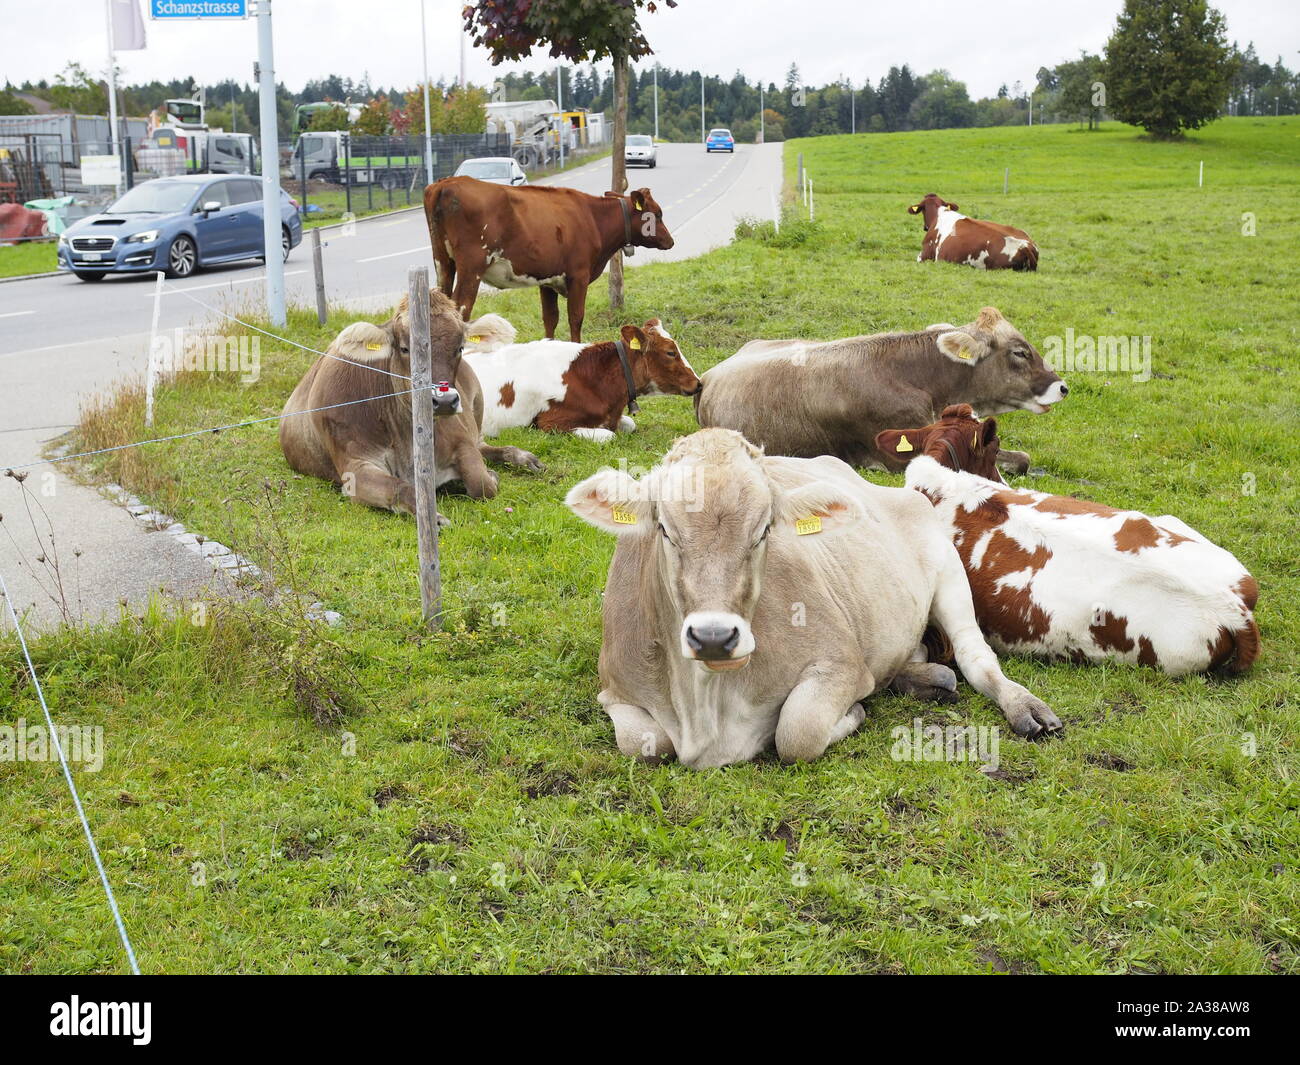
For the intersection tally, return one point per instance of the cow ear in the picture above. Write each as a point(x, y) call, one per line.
point(950, 206)
point(634, 338)
point(960, 346)
point(639, 198)
point(819, 507)
point(914, 209)
point(902, 444)
point(988, 432)
point(613, 501)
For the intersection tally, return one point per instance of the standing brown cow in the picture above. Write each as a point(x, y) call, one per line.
point(366, 447)
point(954, 238)
point(553, 239)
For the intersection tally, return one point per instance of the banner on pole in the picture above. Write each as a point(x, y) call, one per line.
point(128, 26)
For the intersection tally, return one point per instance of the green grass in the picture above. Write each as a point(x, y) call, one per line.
point(487, 823)
point(30, 257)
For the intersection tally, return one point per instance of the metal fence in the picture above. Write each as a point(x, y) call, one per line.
point(338, 173)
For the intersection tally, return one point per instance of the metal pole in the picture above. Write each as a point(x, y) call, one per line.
point(1006, 179)
point(703, 135)
point(559, 97)
point(318, 266)
point(656, 101)
point(270, 167)
point(423, 454)
point(152, 372)
point(428, 129)
point(762, 129)
point(1031, 108)
point(853, 110)
point(112, 99)
point(462, 54)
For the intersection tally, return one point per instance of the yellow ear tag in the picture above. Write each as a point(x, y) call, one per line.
point(475, 340)
point(373, 347)
point(975, 440)
point(634, 344)
point(622, 516)
point(807, 526)
point(964, 353)
point(904, 444)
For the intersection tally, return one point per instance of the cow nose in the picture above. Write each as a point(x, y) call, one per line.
point(446, 400)
point(1065, 390)
point(712, 641)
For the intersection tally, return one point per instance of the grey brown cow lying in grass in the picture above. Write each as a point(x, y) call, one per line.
point(1066, 578)
point(365, 448)
point(755, 598)
point(808, 397)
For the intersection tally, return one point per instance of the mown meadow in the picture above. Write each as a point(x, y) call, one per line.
point(281, 797)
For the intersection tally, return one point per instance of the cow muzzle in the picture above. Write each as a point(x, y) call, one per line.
point(720, 641)
point(1053, 393)
point(446, 400)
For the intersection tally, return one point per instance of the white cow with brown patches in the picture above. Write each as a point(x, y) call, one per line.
point(1066, 578)
point(754, 599)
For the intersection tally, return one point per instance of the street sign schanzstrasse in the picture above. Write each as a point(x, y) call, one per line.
point(175, 10)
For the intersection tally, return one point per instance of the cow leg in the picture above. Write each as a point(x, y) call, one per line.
point(550, 310)
point(822, 709)
point(515, 456)
point(479, 481)
point(465, 291)
point(1015, 461)
point(639, 735)
point(600, 436)
point(954, 612)
point(575, 292)
point(365, 482)
point(445, 267)
point(926, 680)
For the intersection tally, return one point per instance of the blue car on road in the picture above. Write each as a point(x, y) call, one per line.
point(176, 224)
point(719, 140)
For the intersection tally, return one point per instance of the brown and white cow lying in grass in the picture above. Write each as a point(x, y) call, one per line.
point(953, 238)
point(755, 598)
point(1060, 577)
point(567, 387)
point(808, 397)
point(366, 447)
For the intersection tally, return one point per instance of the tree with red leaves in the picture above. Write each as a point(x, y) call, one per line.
point(579, 31)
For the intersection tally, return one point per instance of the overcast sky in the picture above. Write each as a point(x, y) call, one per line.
point(984, 44)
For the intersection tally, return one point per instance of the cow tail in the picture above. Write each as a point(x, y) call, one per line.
point(695, 401)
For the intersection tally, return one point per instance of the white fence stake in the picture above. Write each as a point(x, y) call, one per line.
point(776, 213)
point(1200, 178)
point(422, 444)
point(812, 208)
point(1006, 179)
point(152, 373)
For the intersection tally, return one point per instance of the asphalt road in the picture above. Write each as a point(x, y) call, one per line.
point(63, 341)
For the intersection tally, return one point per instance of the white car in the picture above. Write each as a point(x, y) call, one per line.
point(495, 169)
point(639, 150)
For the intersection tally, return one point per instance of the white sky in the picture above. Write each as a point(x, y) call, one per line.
point(981, 43)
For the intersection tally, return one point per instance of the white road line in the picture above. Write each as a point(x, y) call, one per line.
point(395, 254)
point(220, 284)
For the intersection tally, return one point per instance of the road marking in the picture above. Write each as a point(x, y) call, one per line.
point(15, 314)
point(395, 254)
point(172, 291)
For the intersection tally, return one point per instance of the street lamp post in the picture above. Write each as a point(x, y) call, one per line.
point(428, 128)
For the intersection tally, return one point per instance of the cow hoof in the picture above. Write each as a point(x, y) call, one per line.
point(443, 521)
point(1016, 462)
point(928, 681)
point(532, 462)
point(1032, 719)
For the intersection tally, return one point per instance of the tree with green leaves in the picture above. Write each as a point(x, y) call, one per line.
point(1168, 66)
point(579, 31)
point(1082, 89)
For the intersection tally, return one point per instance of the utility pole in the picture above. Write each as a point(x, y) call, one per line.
point(703, 135)
point(428, 136)
point(762, 131)
point(270, 167)
point(113, 145)
point(853, 110)
point(1031, 108)
point(462, 53)
point(559, 99)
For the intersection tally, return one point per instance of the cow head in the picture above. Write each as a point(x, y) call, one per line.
point(645, 221)
point(1006, 372)
point(446, 343)
point(957, 440)
point(709, 512)
point(661, 369)
point(929, 207)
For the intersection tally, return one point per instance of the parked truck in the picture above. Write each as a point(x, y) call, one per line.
point(343, 159)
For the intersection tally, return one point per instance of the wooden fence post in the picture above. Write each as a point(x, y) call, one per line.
point(422, 444)
point(322, 314)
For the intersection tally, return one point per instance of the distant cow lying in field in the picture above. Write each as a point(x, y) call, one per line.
point(566, 387)
point(808, 397)
point(719, 546)
point(954, 238)
point(366, 447)
point(1065, 578)
point(554, 239)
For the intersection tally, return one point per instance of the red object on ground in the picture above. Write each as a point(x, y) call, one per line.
point(18, 221)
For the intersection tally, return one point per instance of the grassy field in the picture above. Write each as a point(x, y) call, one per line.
point(377, 799)
point(30, 257)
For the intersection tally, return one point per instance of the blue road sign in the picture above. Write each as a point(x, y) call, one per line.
point(173, 10)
